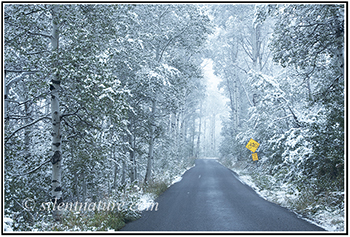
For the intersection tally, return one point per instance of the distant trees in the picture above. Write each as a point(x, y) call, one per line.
point(295, 111)
point(239, 48)
point(174, 34)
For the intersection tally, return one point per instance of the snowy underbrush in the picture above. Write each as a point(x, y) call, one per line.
point(109, 213)
point(163, 179)
point(322, 206)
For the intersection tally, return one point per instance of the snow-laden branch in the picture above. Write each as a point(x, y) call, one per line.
point(37, 52)
point(25, 126)
point(40, 34)
point(241, 68)
point(115, 162)
point(35, 169)
point(16, 78)
point(24, 208)
point(294, 116)
point(20, 71)
point(19, 103)
point(75, 113)
point(170, 40)
point(285, 117)
point(244, 45)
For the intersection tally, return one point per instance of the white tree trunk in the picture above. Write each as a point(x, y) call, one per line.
point(56, 120)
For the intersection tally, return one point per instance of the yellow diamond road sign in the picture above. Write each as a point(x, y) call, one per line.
point(252, 145)
point(255, 156)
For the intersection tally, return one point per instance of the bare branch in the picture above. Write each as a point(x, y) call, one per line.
point(75, 113)
point(241, 69)
point(328, 89)
point(17, 116)
point(15, 79)
point(246, 51)
point(39, 52)
point(21, 71)
point(285, 117)
point(34, 11)
point(40, 34)
point(266, 60)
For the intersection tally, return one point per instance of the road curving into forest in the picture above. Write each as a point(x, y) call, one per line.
point(210, 198)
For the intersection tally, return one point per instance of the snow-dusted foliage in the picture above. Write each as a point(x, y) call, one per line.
point(295, 112)
point(125, 80)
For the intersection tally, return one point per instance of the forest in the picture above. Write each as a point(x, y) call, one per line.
point(111, 103)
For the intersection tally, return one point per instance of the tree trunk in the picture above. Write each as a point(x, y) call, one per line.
point(193, 135)
point(84, 187)
point(212, 135)
point(177, 135)
point(123, 172)
point(151, 143)
point(199, 130)
point(75, 186)
point(256, 47)
point(237, 101)
point(56, 120)
point(26, 133)
point(205, 137)
point(132, 158)
point(115, 176)
point(115, 170)
point(184, 131)
point(132, 149)
point(6, 97)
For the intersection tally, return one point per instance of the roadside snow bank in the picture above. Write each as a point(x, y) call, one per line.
point(146, 201)
point(176, 180)
point(330, 220)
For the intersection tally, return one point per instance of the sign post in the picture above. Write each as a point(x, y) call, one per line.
point(255, 157)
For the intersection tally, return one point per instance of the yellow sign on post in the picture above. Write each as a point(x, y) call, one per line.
point(255, 156)
point(252, 145)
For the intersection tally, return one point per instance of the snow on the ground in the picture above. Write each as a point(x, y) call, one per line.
point(8, 224)
point(177, 179)
point(210, 158)
point(146, 200)
point(330, 221)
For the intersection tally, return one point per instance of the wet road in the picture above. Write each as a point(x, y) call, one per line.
point(211, 198)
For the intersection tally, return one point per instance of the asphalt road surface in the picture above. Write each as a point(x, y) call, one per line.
point(210, 198)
